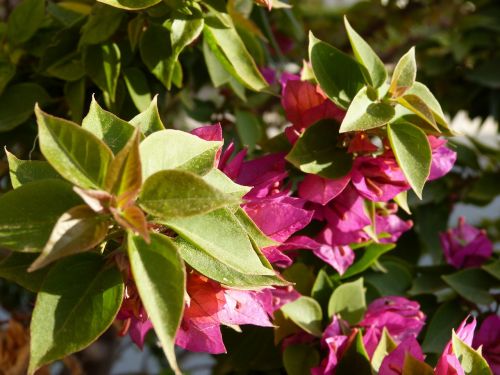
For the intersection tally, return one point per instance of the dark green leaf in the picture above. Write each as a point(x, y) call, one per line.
point(221, 235)
point(131, 4)
point(493, 269)
point(249, 129)
point(214, 269)
point(473, 284)
point(364, 114)
point(15, 268)
point(24, 171)
point(103, 64)
point(107, 127)
point(174, 149)
point(18, 102)
point(472, 362)
point(156, 49)
point(28, 213)
point(7, 72)
point(355, 359)
point(322, 288)
point(74, 93)
point(173, 194)
point(316, 151)
point(101, 24)
point(25, 19)
point(348, 300)
point(75, 153)
point(404, 74)
point(299, 359)
point(160, 277)
point(370, 256)
point(339, 75)
point(138, 88)
point(375, 72)
point(79, 229)
point(306, 313)
point(79, 300)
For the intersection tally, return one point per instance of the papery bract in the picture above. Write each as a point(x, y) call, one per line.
point(334, 342)
point(466, 246)
point(321, 190)
point(488, 338)
point(393, 363)
point(443, 158)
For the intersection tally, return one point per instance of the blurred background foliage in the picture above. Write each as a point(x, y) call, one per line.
point(73, 49)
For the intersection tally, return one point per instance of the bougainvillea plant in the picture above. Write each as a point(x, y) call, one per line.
point(156, 229)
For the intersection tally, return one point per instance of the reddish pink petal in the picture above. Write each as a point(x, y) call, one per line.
point(393, 363)
point(321, 190)
point(243, 307)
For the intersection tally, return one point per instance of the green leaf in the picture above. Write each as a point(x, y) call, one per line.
point(222, 182)
point(418, 107)
point(375, 72)
point(413, 153)
point(420, 90)
point(25, 19)
point(131, 4)
point(370, 256)
point(355, 359)
point(28, 213)
point(7, 72)
point(156, 50)
point(316, 151)
point(138, 88)
point(322, 288)
point(402, 201)
point(339, 75)
point(101, 24)
point(160, 276)
point(364, 114)
point(74, 93)
point(348, 300)
point(15, 268)
point(24, 171)
point(216, 69)
point(75, 153)
point(299, 359)
point(493, 269)
point(212, 268)
point(103, 64)
point(306, 313)
point(79, 300)
point(473, 284)
point(175, 194)
point(221, 235)
point(79, 229)
point(249, 129)
point(404, 74)
point(471, 360)
point(174, 149)
point(447, 316)
point(233, 48)
point(384, 347)
point(107, 127)
point(18, 102)
point(149, 121)
point(413, 366)
point(182, 34)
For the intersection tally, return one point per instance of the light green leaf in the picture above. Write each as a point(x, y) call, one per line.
point(18, 102)
point(384, 347)
point(348, 300)
point(300, 359)
point(131, 4)
point(138, 88)
point(24, 171)
point(75, 153)
point(473, 284)
point(404, 74)
point(472, 362)
point(364, 114)
point(419, 108)
point(174, 149)
point(249, 129)
point(375, 72)
point(25, 19)
point(214, 269)
point(15, 269)
point(149, 121)
point(413, 153)
point(220, 181)
point(306, 313)
point(103, 64)
point(216, 69)
point(174, 193)
point(28, 213)
point(107, 127)
point(101, 24)
point(79, 229)
point(160, 276)
point(233, 48)
point(257, 236)
point(79, 300)
point(316, 151)
point(370, 256)
point(221, 235)
point(402, 201)
point(339, 75)
point(322, 288)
